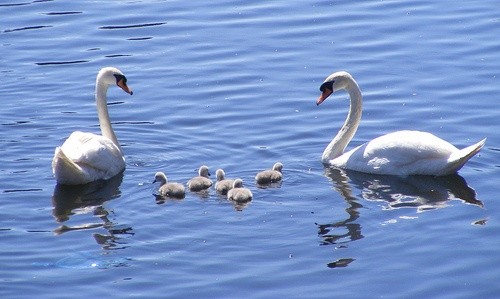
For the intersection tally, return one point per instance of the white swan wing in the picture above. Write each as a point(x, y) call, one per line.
point(86, 157)
point(400, 153)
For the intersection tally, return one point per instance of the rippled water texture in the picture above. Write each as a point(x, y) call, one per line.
point(233, 85)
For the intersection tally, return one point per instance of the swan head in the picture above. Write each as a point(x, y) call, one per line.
point(220, 174)
point(278, 166)
point(112, 75)
point(203, 171)
point(238, 183)
point(160, 177)
point(336, 81)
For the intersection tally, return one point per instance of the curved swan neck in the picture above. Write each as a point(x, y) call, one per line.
point(101, 90)
point(346, 133)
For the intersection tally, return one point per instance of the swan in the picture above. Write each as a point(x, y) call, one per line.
point(200, 182)
point(169, 189)
point(87, 157)
point(238, 193)
point(271, 175)
point(222, 185)
point(398, 153)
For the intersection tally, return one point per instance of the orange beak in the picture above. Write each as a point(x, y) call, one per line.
point(124, 86)
point(325, 94)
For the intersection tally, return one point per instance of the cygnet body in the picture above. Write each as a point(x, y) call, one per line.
point(238, 193)
point(271, 175)
point(200, 182)
point(223, 185)
point(169, 189)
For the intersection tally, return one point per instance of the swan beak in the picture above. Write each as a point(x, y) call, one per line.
point(124, 86)
point(325, 94)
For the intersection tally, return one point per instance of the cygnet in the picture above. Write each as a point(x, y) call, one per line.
point(271, 175)
point(238, 193)
point(169, 189)
point(223, 185)
point(200, 182)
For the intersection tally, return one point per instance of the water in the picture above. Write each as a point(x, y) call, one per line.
point(233, 85)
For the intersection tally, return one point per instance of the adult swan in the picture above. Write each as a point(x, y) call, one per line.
point(398, 153)
point(87, 157)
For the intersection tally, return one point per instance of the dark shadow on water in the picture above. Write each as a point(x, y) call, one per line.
point(238, 206)
point(340, 263)
point(269, 185)
point(164, 199)
point(421, 193)
point(89, 199)
point(66, 199)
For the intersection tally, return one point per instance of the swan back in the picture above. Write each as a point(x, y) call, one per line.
point(86, 157)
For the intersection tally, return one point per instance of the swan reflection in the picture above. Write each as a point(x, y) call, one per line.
point(88, 199)
point(239, 206)
point(421, 193)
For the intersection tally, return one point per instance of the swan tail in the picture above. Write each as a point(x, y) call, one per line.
point(66, 171)
point(458, 159)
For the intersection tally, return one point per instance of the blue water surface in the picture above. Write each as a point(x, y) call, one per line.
point(233, 84)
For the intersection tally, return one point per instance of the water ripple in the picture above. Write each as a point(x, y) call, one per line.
point(61, 62)
point(63, 13)
point(22, 190)
point(132, 26)
point(117, 55)
point(15, 4)
point(27, 28)
point(140, 38)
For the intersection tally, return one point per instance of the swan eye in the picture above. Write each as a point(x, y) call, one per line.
point(120, 78)
point(327, 85)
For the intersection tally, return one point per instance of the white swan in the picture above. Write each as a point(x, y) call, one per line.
point(238, 193)
point(270, 175)
point(398, 153)
point(172, 189)
point(200, 182)
point(223, 185)
point(87, 157)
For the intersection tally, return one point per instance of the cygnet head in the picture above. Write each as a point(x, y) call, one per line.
point(336, 81)
point(238, 183)
point(112, 75)
point(203, 171)
point(160, 177)
point(278, 166)
point(220, 174)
